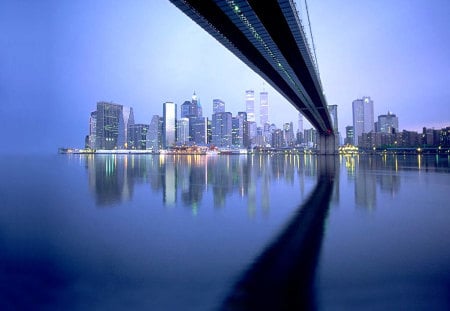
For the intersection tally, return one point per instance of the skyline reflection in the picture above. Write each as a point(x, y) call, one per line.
point(189, 178)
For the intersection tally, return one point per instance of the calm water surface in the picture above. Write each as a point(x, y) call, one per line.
point(224, 232)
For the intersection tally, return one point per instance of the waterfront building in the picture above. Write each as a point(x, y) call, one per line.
point(109, 126)
point(387, 123)
point(137, 136)
point(288, 131)
point(310, 137)
point(169, 124)
point(363, 118)
point(92, 130)
point(199, 129)
point(251, 130)
point(183, 131)
point(128, 119)
point(278, 139)
point(250, 105)
point(196, 103)
point(245, 137)
point(218, 105)
point(154, 134)
point(349, 135)
point(263, 108)
point(237, 131)
point(221, 127)
point(300, 123)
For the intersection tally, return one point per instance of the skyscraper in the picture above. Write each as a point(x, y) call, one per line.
point(128, 119)
point(196, 104)
point(222, 129)
point(154, 134)
point(137, 136)
point(237, 131)
point(183, 131)
point(362, 117)
point(349, 135)
point(110, 124)
point(92, 129)
point(169, 124)
point(250, 105)
point(245, 133)
point(263, 108)
point(388, 123)
point(218, 106)
point(199, 128)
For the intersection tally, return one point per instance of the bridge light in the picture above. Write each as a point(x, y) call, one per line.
point(236, 8)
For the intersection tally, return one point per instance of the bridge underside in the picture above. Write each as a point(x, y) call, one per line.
point(268, 37)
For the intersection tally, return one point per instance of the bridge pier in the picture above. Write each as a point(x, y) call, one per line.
point(327, 144)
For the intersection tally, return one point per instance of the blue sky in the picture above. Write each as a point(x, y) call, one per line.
point(58, 58)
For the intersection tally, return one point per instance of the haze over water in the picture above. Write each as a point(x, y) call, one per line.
point(192, 232)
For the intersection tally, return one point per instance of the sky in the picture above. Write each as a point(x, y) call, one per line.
point(59, 58)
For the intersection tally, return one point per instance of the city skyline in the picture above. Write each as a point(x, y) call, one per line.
point(58, 59)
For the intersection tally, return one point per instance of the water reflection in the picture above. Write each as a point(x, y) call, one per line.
point(112, 178)
point(283, 276)
point(372, 174)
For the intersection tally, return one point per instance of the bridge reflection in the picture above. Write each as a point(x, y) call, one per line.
point(283, 276)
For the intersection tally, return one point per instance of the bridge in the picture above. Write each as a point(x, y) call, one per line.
point(269, 37)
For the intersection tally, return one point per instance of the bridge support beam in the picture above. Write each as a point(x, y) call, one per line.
point(327, 144)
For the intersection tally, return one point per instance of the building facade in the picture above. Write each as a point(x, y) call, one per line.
point(221, 127)
point(169, 124)
point(363, 118)
point(263, 108)
point(250, 105)
point(110, 126)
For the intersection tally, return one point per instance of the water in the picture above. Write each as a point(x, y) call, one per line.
point(224, 232)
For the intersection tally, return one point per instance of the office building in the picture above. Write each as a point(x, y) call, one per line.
point(221, 127)
point(154, 134)
point(128, 119)
point(349, 135)
point(245, 137)
point(199, 129)
point(218, 106)
point(92, 130)
point(109, 126)
point(250, 105)
point(363, 119)
point(183, 131)
point(263, 108)
point(237, 132)
point(169, 124)
point(137, 136)
point(387, 123)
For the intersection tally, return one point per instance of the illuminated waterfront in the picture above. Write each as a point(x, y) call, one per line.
point(182, 232)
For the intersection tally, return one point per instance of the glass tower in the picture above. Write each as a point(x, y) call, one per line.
point(263, 108)
point(250, 105)
point(169, 124)
point(363, 120)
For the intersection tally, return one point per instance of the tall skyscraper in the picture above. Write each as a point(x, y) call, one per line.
point(137, 136)
point(154, 134)
point(300, 123)
point(349, 135)
point(388, 123)
point(128, 119)
point(199, 127)
point(263, 108)
point(222, 129)
point(250, 105)
point(245, 133)
point(363, 119)
point(218, 106)
point(169, 124)
point(196, 104)
point(110, 124)
point(237, 131)
point(92, 129)
point(288, 131)
point(183, 131)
